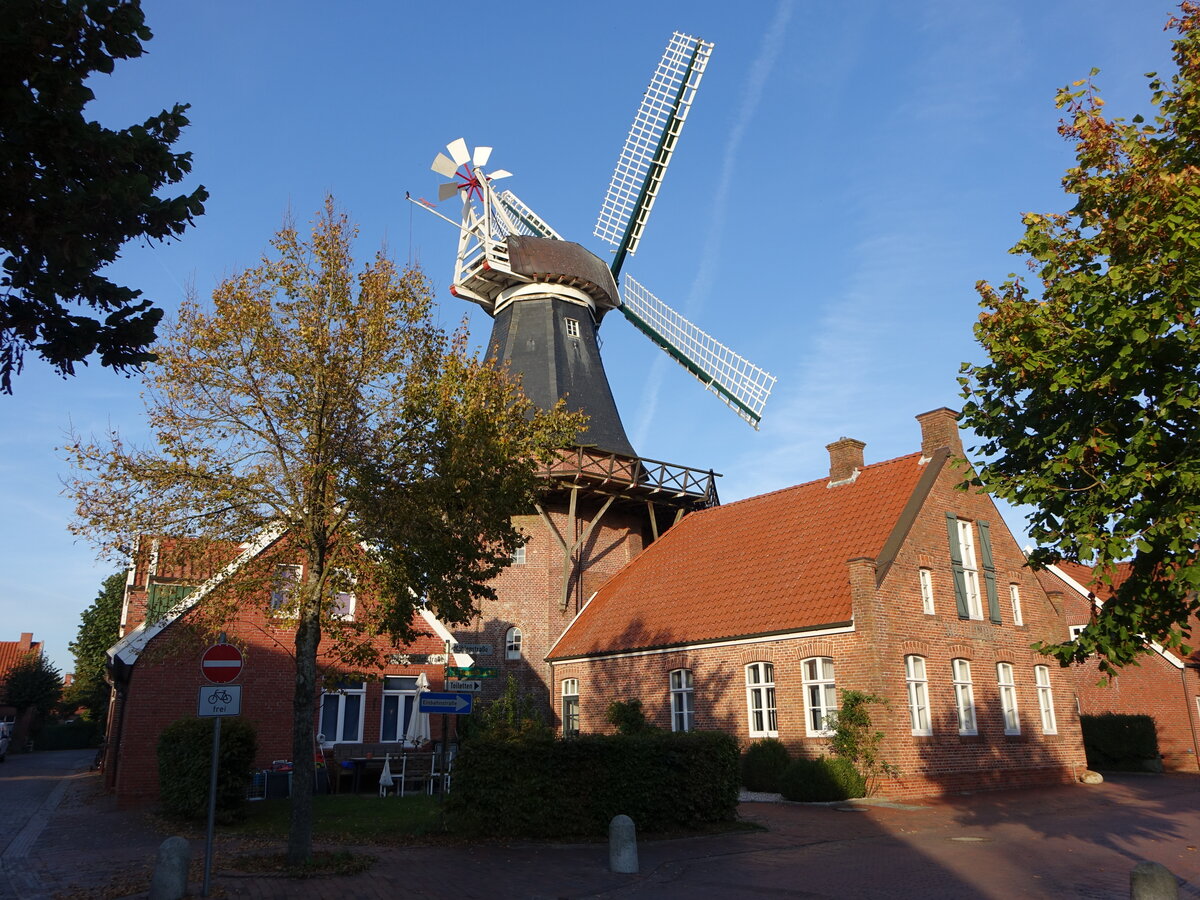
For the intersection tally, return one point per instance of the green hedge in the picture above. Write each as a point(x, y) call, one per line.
point(763, 764)
point(1114, 741)
point(545, 788)
point(184, 760)
point(77, 735)
point(822, 780)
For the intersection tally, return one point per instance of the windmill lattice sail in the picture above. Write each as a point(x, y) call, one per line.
point(650, 143)
point(743, 386)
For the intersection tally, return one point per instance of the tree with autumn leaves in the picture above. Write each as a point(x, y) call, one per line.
point(320, 400)
point(1089, 404)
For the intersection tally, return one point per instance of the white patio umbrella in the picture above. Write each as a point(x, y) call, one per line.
point(416, 732)
point(385, 777)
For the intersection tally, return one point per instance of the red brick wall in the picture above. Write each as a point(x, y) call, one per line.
point(890, 624)
point(165, 682)
point(529, 596)
point(1155, 688)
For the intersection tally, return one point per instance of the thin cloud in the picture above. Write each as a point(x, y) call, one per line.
point(760, 71)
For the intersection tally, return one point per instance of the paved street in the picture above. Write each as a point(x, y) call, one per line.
point(1070, 841)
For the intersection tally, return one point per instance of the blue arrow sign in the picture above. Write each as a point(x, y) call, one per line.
point(452, 704)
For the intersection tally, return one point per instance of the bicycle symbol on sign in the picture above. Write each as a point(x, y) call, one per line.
point(220, 697)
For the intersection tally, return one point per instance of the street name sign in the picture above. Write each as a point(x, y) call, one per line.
point(470, 687)
point(440, 702)
point(221, 663)
point(220, 701)
point(469, 672)
point(473, 649)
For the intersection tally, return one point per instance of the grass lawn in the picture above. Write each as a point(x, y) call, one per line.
point(349, 818)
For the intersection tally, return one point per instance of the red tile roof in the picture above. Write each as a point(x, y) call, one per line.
point(773, 563)
point(1085, 576)
point(12, 652)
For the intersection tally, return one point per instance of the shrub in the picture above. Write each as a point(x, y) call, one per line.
point(544, 788)
point(514, 714)
point(1113, 741)
point(763, 764)
point(855, 741)
point(184, 758)
point(822, 780)
point(628, 717)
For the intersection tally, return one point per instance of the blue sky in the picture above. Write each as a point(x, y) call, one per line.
point(847, 174)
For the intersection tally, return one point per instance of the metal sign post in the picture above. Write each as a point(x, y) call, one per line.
point(220, 664)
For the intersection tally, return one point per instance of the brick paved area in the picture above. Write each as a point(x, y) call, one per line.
point(1071, 841)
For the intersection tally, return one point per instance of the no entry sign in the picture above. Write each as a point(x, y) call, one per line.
point(221, 663)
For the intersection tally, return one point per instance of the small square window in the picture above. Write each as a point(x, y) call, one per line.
point(572, 327)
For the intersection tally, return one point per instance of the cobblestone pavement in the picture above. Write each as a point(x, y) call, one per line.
point(1061, 842)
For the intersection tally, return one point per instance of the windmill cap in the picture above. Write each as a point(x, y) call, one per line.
point(548, 261)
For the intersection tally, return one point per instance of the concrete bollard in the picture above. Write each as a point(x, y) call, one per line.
point(170, 878)
point(1152, 881)
point(622, 846)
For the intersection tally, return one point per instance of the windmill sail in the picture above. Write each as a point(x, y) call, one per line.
point(650, 143)
point(743, 386)
point(525, 220)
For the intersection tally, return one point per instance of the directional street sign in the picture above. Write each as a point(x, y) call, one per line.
point(223, 700)
point(470, 687)
point(438, 702)
point(471, 672)
point(221, 663)
point(473, 649)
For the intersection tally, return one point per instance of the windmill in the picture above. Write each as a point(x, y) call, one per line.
point(548, 295)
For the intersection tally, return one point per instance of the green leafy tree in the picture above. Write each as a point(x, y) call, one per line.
point(1089, 404)
point(72, 192)
point(271, 410)
point(33, 683)
point(99, 629)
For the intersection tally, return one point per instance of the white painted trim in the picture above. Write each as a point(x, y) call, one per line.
point(465, 660)
point(1099, 604)
point(705, 645)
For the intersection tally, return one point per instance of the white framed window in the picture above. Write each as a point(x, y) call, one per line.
point(918, 694)
point(344, 602)
point(682, 699)
point(518, 556)
point(572, 327)
point(283, 586)
point(966, 543)
point(399, 697)
point(1041, 675)
point(760, 699)
point(1014, 594)
point(926, 578)
point(341, 713)
point(1075, 630)
point(570, 706)
point(1008, 698)
point(512, 643)
point(964, 696)
point(820, 696)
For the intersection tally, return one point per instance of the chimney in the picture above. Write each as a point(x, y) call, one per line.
point(939, 428)
point(845, 459)
point(27, 639)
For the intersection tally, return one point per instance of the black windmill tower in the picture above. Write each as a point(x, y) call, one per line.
point(548, 296)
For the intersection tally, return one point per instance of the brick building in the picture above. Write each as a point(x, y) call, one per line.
point(752, 617)
point(12, 653)
point(155, 667)
point(1165, 685)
